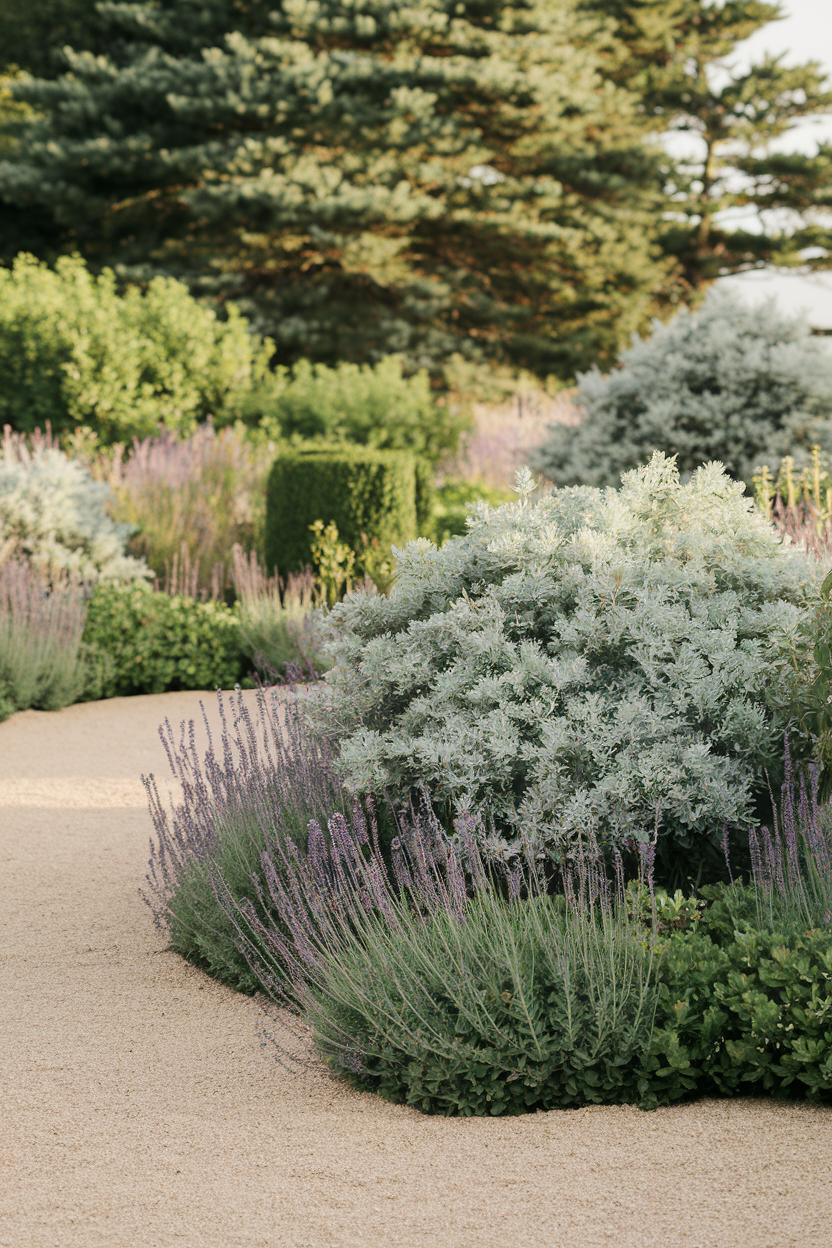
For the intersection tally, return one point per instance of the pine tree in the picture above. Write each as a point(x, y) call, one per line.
point(427, 178)
point(738, 198)
point(33, 33)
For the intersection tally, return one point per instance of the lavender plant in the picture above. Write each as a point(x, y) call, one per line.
point(791, 861)
point(458, 983)
point(41, 624)
point(442, 981)
point(259, 781)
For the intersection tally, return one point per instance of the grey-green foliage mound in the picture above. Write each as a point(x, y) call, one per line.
point(739, 383)
point(593, 660)
point(54, 515)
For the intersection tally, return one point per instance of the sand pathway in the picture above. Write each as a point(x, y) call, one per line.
point(138, 1109)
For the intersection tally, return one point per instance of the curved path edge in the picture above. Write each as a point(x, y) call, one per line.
point(138, 1108)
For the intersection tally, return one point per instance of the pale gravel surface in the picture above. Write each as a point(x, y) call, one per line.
point(138, 1109)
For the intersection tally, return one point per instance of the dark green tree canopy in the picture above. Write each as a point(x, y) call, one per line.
point(738, 199)
point(423, 178)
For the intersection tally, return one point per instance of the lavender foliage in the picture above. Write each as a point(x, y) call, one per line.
point(257, 782)
point(41, 625)
point(791, 861)
point(436, 975)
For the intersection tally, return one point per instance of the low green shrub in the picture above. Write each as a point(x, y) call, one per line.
point(742, 1008)
point(370, 495)
point(139, 640)
point(74, 350)
point(454, 502)
point(369, 404)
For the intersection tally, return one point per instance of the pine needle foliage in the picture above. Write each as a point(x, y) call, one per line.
point(422, 179)
point(740, 196)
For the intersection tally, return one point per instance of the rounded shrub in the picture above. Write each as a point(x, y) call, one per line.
point(55, 515)
point(369, 495)
point(369, 404)
point(594, 662)
point(733, 382)
point(515, 1007)
point(74, 351)
point(139, 640)
point(534, 1004)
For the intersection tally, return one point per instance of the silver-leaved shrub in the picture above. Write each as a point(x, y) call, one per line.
point(53, 515)
point(740, 383)
point(593, 660)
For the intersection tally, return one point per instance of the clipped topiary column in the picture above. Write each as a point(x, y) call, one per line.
point(369, 494)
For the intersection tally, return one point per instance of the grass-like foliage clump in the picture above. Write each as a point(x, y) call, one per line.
point(259, 782)
point(41, 659)
point(588, 663)
point(440, 983)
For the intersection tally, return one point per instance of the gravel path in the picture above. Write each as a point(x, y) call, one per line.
point(138, 1109)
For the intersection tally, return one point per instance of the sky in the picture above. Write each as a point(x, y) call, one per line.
point(805, 34)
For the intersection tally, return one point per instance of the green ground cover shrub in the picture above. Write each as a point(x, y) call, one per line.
point(588, 663)
point(530, 1005)
point(733, 382)
point(370, 405)
point(55, 515)
point(743, 1009)
point(369, 494)
point(75, 351)
point(140, 640)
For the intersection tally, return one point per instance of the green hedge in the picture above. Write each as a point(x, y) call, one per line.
point(425, 496)
point(362, 405)
point(371, 495)
point(138, 640)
